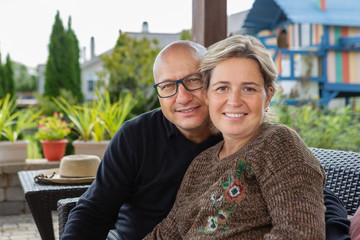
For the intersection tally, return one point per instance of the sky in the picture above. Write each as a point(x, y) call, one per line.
point(25, 25)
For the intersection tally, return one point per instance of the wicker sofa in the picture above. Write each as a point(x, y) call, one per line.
point(342, 172)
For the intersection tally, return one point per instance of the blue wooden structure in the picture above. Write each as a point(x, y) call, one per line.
point(329, 30)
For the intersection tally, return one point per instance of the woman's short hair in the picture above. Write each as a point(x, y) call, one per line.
point(240, 46)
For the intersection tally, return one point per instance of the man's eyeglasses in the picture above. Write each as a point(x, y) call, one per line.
point(169, 88)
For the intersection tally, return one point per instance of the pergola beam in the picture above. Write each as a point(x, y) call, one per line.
point(209, 21)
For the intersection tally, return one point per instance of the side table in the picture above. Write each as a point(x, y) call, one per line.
point(42, 199)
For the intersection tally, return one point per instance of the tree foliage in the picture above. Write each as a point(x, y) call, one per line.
point(72, 61)
point(24, 81)
point(54, 74)
point(130, 70)
point(185, 35)
point(9, 76)
point(7, 83)
point(62, 67)
point(2, 80)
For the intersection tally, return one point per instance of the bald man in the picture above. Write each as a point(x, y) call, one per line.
point(142, 168)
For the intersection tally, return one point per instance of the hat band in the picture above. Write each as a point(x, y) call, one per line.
point(62, 176)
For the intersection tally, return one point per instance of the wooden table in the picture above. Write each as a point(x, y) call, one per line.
point(42, 199)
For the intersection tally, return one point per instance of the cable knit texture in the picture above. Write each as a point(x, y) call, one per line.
point(271, 188)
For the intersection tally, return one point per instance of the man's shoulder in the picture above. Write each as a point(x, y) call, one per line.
point(148, 118)
point(152, 122)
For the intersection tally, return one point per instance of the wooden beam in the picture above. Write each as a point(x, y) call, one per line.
point(209, 21)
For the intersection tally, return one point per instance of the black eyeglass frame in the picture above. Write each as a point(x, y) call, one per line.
point(177, 85)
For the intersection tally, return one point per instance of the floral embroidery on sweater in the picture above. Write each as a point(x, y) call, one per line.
point(234, 192)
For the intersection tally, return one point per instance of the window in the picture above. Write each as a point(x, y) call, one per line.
point(91, 85)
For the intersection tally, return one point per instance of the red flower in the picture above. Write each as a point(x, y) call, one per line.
point(235, 192)
point(222, 217)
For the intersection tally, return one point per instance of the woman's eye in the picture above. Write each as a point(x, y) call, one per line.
point(249, 90)
point(222, 89)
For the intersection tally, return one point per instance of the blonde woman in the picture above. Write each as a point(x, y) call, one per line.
point(261, 181)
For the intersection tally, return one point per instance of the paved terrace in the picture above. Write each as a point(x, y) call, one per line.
point(16, 221)
point(22, 227)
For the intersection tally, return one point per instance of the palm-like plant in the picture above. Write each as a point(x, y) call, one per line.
point(82, 117)
point(7, 116)
point(94, 120)
point(13, 123)
point(114, 114)
point(99, 127)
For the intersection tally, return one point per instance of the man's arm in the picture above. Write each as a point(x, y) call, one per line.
point(98, 207)
point(337, 223)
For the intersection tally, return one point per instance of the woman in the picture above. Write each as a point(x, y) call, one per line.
point(261, 182)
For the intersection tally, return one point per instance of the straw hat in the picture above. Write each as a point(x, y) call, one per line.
point(73, 169)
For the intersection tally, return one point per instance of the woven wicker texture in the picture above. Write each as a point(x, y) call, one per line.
point(64, 207)
point(42, 199)
point(342, 175)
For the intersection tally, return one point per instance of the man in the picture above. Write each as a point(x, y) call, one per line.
point(144, 164)
point(142, 169)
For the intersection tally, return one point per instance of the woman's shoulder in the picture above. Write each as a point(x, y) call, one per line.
point(275, 133)
point(276, 128)
point(288, 147)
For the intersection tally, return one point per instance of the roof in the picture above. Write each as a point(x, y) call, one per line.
point(235, 22)
point(270, 14)
point(163, 38)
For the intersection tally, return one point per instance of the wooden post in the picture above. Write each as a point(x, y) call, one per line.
point(209, 21)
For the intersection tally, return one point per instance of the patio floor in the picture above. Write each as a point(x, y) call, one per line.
point(22, 227)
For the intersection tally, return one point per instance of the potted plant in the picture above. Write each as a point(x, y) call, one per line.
point(13, 123)
point(52, 131)
point(88, 125)
point(96, 122)
point(115, 114)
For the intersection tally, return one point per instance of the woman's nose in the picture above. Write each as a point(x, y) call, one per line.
point(235, 98)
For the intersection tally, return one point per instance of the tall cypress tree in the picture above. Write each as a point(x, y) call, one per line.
point(2, 80)
point(55, 76)
point(73, 66)
point(9, 76)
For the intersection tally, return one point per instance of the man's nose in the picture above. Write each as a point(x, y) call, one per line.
point(183, 96)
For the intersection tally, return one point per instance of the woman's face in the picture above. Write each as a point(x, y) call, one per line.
point(236, 97)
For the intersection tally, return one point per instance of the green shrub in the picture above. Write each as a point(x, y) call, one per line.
point(330, 129)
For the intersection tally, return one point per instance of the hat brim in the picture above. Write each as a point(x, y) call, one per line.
point(53, 176)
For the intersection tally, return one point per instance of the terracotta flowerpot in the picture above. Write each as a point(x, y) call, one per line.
point(54, 150)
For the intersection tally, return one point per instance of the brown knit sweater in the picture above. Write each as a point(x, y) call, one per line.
point(271, 188)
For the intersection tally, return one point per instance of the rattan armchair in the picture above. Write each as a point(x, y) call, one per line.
point(342, 173)
point(64, 207)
